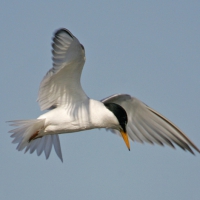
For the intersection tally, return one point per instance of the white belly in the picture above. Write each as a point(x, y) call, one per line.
point(84, 116)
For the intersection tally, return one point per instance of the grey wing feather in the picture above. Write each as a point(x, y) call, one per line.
point(147, 125)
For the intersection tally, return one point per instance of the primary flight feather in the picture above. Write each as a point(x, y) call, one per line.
point(71, 110)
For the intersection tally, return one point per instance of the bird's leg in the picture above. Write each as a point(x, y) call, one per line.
point(33, 136)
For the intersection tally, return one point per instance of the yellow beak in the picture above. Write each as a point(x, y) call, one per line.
point(125, 137)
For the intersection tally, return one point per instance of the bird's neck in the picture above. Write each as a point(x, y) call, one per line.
point(97, 115)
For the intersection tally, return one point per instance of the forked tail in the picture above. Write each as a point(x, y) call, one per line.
point(25, 135)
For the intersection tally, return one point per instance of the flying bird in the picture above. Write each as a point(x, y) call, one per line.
point(71, 110)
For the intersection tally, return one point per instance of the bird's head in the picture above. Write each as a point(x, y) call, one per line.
point(122, 118)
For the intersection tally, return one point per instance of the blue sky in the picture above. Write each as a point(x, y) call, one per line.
point(149, 49)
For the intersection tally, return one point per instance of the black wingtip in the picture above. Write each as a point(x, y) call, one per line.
point(63, 30)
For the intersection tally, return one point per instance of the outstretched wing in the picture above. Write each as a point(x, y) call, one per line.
point(147, 125)
point(61, 85)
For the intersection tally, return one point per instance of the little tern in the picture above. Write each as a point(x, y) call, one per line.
point(71, 110)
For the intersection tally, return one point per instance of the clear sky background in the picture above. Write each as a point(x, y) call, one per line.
point(149, 49)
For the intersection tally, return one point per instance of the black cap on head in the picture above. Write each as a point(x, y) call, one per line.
point(119, 112)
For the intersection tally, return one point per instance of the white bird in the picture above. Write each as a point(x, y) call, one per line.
point(71, 110)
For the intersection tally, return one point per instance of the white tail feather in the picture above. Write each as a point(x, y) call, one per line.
point(25, 129)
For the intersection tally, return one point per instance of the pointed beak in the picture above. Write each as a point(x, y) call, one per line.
point(125, 137)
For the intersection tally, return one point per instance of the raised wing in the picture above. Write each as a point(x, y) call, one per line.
point(147, 125)
point(61, 85)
